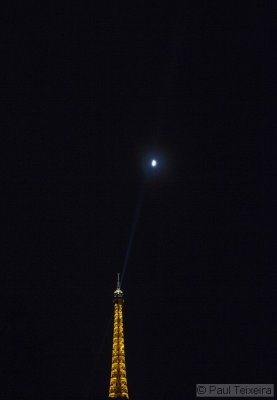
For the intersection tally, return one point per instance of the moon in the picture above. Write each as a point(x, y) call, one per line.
point(154, 163)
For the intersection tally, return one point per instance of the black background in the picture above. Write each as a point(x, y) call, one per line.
point(84, 100)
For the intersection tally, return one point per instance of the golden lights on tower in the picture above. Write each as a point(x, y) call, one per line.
point(118, 381)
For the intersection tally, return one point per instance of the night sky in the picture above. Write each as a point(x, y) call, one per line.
point(85, 100)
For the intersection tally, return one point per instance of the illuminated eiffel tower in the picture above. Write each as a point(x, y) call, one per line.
point(118, 382)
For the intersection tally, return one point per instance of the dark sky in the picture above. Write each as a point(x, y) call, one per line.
point(85, 100)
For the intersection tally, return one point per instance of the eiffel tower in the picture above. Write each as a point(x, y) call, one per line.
point(118, 381)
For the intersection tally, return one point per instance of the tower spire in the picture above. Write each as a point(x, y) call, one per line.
point(118, 382)
point(118, 292)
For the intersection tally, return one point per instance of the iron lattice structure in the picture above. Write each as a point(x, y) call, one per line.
point(118, 382)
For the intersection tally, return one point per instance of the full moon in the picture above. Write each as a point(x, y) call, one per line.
point(154, 163)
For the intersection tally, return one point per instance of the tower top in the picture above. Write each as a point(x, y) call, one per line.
point(118, 292)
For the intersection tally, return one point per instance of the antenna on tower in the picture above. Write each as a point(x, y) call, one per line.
point(118, 280)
